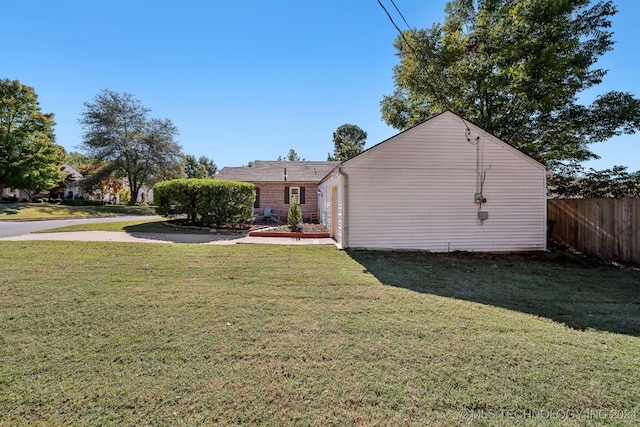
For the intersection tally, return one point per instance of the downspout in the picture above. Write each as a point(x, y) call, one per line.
point(546, 213)
point(344, 183)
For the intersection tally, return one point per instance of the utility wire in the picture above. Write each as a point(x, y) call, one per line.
point(401, 15)
point(397, 28)
point(411, 48)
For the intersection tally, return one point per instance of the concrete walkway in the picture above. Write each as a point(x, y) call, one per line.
point(214, 239)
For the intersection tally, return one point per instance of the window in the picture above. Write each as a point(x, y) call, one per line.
point(294, 193)
point(291, 192)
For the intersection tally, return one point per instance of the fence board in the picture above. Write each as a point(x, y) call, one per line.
point(606, 227)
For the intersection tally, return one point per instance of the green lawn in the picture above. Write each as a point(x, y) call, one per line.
point(115, 333)
point(38, 211)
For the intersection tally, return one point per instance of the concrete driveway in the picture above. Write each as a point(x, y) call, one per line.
point(21, 230)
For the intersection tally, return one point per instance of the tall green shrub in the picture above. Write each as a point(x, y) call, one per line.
point(207, 202)
point(294, 217)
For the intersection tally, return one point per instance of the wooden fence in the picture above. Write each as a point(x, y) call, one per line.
point(606, 227)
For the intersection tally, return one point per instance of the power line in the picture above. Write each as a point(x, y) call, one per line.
point(397, 28)
point(415, 53)
point(401, 15)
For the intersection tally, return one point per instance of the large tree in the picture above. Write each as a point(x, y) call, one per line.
point(29, 157)
point(119, 131)
point(348, 141)
point(515, 68)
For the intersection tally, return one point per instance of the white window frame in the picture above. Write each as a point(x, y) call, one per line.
point(294, 192)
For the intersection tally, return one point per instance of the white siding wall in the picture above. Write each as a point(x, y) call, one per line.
point(325, 205)
point(416, 191)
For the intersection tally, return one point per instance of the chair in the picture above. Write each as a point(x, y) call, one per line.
point(266, 215)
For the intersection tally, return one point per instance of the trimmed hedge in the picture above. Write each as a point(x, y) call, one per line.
point(208, 202)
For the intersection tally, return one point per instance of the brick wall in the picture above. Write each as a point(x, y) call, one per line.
point(272, 194)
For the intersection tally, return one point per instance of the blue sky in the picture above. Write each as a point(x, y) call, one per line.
point(247, 79)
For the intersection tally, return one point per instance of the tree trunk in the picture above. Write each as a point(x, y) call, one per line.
point(135, 189)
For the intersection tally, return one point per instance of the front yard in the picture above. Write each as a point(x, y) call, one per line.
point(42, 211)
point(110, 334)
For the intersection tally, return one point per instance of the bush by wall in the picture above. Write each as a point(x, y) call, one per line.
point(294, 217)
point(207, 202)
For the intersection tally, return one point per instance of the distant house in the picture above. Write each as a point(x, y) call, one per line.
point(73, 183)
point(72, 187)
point(278, 182)
point(443, 185)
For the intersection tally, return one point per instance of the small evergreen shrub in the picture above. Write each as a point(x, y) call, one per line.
point(207, 202)
point(294, 216)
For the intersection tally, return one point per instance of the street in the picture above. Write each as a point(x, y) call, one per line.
point(19, 228)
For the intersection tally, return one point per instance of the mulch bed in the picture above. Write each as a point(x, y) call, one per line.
point(308, 231)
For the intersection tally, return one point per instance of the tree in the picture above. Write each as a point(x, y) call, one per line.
point(118, 130)
point(348, 141)
point(294, 215)
point(77, 160)
point(100, 179)
point(203, 167)
point(609, 183)
point(209, 165)
point(29, 157)
point(193, 168)
point(42, 170)
point(291, 156)
point(516, 69)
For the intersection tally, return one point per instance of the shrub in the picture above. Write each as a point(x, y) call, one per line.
point(294, 217)
point(124, 195)
point(205, 201)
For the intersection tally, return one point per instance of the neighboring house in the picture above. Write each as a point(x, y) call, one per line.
point(443, 185)
point(18, 193)
point(145, 196)
point(278, 182)
point(73, 184)
point(73, 187)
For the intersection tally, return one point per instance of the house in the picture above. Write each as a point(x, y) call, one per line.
point(71, 187)
point(443, 185)
point(279, 182)
point(73, 184)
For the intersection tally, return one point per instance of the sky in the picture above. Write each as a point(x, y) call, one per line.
point(246, 80)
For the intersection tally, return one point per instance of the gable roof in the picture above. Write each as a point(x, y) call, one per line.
point(274, 171)
point(464, 122)
point(447, 114)
point(72, 174)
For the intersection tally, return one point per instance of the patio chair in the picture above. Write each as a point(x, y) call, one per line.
point(266, 215)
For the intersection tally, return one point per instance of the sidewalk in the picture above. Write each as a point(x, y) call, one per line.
point(214, 239)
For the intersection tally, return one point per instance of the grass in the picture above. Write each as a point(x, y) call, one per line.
point(115, 333)
point(43, 211)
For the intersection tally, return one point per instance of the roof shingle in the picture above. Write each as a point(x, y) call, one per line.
point(274, 171)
